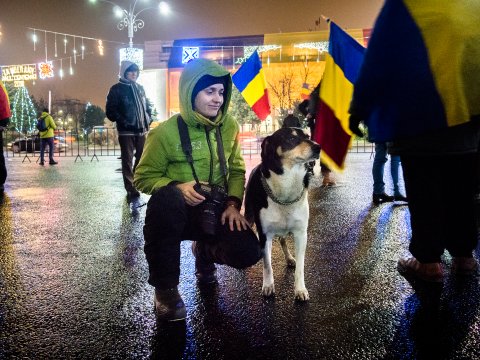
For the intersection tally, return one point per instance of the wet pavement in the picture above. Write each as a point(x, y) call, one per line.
point(73, 281)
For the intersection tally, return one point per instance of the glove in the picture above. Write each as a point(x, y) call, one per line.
point(354, 123)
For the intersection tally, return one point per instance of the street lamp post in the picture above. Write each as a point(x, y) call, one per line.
point(130, 19)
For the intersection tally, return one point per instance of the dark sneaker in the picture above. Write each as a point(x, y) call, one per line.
point(204, 271)
point(53, 162)
point(464, 265)
point(411, 267)
point(382, 198)
point(400, 198)
point(169, 305)
point(41, 163)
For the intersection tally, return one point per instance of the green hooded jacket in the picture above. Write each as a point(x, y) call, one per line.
point(163, 160)
point(50, 124)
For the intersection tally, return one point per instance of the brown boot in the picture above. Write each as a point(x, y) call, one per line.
point(464, 265)
point(204, 269)
point(169, 305)
point(411, 267)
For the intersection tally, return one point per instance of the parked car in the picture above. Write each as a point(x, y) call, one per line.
point(32, 143)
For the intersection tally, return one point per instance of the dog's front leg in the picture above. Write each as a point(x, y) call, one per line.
point(301, 292)
point(268, 288)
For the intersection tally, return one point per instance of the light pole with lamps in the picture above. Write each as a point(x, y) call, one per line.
point(129, 16)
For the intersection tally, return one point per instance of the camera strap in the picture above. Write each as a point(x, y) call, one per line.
point(187, 149)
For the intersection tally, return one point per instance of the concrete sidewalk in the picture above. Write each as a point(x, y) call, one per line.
point(73, 281)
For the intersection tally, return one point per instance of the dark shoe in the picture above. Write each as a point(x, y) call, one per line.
point(204, 270)
point(400, 198)
point(411, 267)
point(464, 265)
point(382, 198)
point(169, 305)
point(53, 162)
point(41, 163)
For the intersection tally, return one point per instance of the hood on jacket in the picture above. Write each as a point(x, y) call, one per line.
point(191, 74)
point(124, 65)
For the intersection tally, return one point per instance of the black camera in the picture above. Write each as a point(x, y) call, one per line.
point(211, 209)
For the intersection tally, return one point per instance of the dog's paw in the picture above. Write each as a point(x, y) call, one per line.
point(268, 290)
point(302, 295)
point(291, 263)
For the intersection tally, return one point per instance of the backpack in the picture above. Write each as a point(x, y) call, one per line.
point(41, 125)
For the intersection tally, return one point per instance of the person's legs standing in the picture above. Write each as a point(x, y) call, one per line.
point(379, 161)
point(50, 151)
point(461, 229)
point(127, 145)
point(394, 171)
point(3, 168)
point(42, 151)
point(139, 144)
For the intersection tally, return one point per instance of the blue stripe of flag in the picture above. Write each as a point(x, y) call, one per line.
point(247, 72)
point(346, 52)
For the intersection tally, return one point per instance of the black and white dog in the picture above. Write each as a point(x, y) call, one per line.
point(276, 201)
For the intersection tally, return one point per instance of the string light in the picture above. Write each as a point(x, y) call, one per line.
point(71, 68)
point(56, 55)
point(83, 49)
point(74, 52)
point(23, 111)
point(46, 48)
point(100, 47)
point(65, 44)
point(34, 38)
point(60, 72)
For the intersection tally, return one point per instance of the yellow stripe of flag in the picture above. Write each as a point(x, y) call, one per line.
point(255, 89)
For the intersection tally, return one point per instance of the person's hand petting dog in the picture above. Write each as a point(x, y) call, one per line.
point(233, 216)
point(354, 125)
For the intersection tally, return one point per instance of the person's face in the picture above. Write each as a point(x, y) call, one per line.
point(132, 75)
point(209, 100)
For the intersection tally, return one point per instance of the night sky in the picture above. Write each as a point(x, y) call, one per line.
point(94, 75)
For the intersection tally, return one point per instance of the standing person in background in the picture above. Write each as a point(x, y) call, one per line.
point(291, 120)
point(46, 138)
point(309, 109)
point(4, 119)
point(419, 88)
point(128, 106)
point(379, 195)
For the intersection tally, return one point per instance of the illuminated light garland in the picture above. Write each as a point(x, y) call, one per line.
point(320, 46)
point(23, 112)
point(132, 54)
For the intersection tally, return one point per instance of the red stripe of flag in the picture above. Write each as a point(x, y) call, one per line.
point(262, 106)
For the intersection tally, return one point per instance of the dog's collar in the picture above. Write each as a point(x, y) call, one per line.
point(274, 198)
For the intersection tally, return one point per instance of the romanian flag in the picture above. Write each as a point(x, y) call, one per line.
point(345, 55)
point(305, 93)
point(4, 103)
point(421, 72)
point(250, 81)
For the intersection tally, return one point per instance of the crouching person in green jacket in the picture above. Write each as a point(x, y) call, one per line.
point(197, 200)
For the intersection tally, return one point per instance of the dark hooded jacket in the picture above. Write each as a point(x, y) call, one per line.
point(121, 105)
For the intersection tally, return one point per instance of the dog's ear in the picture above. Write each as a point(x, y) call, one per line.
point(270, 158)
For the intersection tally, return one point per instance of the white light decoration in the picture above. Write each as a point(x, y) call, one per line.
point(320, 46)
point(248, 50)
point(190, 53)
point(45, 70)
point(132, 54)
point(129, 16)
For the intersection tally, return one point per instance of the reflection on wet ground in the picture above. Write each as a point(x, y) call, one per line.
point(73, 281)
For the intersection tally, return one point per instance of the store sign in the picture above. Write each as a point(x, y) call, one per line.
point(19, 72)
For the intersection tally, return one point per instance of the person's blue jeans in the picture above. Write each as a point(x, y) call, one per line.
point(49, 142)
point(378, 169)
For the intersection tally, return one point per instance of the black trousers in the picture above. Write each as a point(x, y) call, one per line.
point(169, 220)
point(3, 168)
point(130, 145)
point(441, 199)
